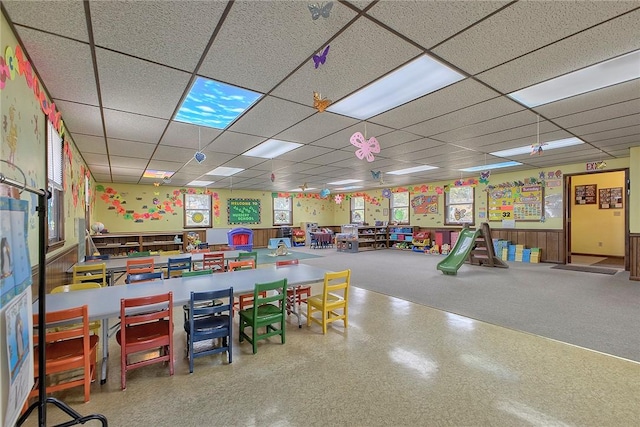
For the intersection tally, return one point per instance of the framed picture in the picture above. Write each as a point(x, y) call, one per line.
point(197, 210)
point(586, 194)
point(610, 198)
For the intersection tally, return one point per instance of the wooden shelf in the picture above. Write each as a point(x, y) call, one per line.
point(122, 243)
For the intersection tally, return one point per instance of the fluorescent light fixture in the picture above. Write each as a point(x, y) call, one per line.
point(197, 183)
point(214, 104)
point(412, 170)
point(272, 148)
point(350, 187)
point(560, 143)
point(491, 166)
point(224, 171)
point(151, 173)
point(607, 73)
point(419, 77)
point(344, 181)
point(299, 189)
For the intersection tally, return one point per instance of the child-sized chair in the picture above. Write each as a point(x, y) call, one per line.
point(335, 296)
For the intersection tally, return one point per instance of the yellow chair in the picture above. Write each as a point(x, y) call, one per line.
point(90, 273)
point(94, 326)
point(335, 296)
point(166, 253)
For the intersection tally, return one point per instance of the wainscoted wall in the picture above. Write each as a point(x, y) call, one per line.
point(634, 256)
point(550, 242)
point(56, 269)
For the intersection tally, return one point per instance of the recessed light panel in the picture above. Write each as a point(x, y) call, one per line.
point(411, 170)
point(491, 166)
point(560, 143)
point(607, 73)
point(224, 171)
point(300, 189)
point(345, 181)
point(350, 187)
point(214, 104)
point(272, 148)
point(419, 77)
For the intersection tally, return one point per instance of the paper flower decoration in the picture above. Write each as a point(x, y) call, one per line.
point(325, 192)
point(366, 147)
point(338, 199)
point(386, 193)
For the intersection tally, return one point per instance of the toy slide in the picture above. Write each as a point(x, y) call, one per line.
point(460, 253)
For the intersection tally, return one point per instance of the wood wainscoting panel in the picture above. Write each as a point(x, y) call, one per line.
point(634, 256)
point(550, 242)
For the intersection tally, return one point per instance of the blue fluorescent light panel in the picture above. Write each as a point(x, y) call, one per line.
point(214, 104)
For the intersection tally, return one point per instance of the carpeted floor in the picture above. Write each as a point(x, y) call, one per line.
point(585, 269)
point(264, 256)
point(594, 311)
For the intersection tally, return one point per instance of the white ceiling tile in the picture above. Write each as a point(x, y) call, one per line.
point(101, 177)
point(90, 144)
point(126, 84)
point(133, 127)
point(162, 165)
point(605, 125)
point(121, 147)
point(270, 116)
point(303, 153)
point(120, 162)
point(410, 147)
point(180, 134)
point(334, 156)
point(64, 17)
point(164, 152)
point(81, 118)
point(233, 143)
point(521, 28)
point(342, 138)
point(315, 127)
point(153, 32)
point(96, 159)
point(609, 134)
point(599, 114)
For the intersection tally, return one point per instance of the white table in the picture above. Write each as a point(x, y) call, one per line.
point(119, 265)
point(104, 303)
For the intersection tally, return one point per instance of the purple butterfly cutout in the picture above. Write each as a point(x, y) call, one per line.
point(320, 59)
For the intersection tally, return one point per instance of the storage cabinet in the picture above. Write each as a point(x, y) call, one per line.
point(122, 244)
point(401, 237)
point(364, 238)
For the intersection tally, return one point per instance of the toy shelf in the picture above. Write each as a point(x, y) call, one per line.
point(121, 244)
point(400, 237)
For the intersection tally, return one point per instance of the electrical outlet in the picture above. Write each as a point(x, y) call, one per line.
point(600, 244)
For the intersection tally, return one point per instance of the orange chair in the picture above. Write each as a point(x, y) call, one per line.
point(68, 349)
point(146, 324)
point(213, 261)
point(244, 300)
point(140, 265)
point(301, 292)
point(201, 251)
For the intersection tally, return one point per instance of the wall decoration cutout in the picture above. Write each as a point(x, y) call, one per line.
point(338, 199)
point(320, 59)
point(424, 205)
point(320, 103)
point(325, 193)
point(484, 177)
point(366, 147)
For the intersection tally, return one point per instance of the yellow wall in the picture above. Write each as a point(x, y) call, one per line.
point(596, 231)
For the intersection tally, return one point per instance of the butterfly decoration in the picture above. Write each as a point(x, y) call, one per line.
point(458, 214)
point(537, 148)
point(157, 184)
point(320, 103)
point(366, 147)
point(317, 10)
point(273, 176)
point(484, 177)
point(325, 193)
point(601, 165)
point(304, 186)
point(376, 174)
point(320, 59)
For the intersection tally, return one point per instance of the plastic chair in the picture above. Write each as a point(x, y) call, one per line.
point(248, 255)
point(146, 324)
point(302, 292)
point(213, 261)
point(208, 319)
point(264, 313)
point(144, 277)
point(94, 326)
point(201, 251)
point(177, 266)
point(68, 350)
point(138, 254)
point(90, 273)
point(335, 296)
point(244, 300)
point(197, 273)
point(139, 266)
point(173, 252)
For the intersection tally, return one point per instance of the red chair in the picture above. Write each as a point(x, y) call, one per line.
point(68, 349)
point(244, 300)
point(213, 261)
point(146, 324)
point(140, 265)
point(302, 292)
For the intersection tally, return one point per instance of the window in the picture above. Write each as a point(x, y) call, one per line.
point(197, 210)
point(459, 205)
point(282, 211)
point(400, 207)
point(55, 212)
point(357, 210)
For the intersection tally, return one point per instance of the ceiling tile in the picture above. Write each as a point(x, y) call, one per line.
point(315, 127)
point(134, 127)
point(65, 17)
point(189, 136)
point(81, 118)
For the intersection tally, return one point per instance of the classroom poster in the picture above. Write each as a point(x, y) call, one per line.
point(15, 267)
point(423, 205)
point(517, 203)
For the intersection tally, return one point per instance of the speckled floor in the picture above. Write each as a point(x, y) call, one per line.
point(398, 363)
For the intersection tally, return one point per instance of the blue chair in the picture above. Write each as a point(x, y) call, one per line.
point(144, 277)
point(266, 312)
point(208, 321)
point(96, 257)
point(177, 266)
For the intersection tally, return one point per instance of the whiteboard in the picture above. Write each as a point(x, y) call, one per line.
point(217, 236)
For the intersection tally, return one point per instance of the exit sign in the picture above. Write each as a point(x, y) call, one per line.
point(594, 166)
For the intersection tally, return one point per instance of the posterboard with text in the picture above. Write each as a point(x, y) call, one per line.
point(243, 211)
point(518, 203)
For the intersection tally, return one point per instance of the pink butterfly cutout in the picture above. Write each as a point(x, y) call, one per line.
point(366, 147)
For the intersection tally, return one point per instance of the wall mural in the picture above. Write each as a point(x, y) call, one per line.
point(156, 208)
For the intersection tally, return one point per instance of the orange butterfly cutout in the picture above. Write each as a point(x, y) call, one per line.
point(319, 103)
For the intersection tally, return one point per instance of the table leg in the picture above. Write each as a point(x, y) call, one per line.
point(105, 350)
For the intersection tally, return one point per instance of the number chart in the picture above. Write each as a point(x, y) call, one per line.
point(519, 203)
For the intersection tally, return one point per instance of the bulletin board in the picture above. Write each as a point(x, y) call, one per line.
point(610, 198)
point(243, 211)
point(586, 194)
point(518, 203)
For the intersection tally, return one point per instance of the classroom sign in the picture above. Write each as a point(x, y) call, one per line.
point(518, 203)
point(243, 211)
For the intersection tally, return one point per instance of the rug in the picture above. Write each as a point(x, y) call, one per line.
point(585, 269)
point(265, 257)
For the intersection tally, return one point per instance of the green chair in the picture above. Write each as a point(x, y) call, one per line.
point(249, 255)
point(197, 273)
point(138, 254)
point(265, 313)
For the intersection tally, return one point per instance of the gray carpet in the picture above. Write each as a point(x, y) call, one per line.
point(585, 269)
point(595, 311)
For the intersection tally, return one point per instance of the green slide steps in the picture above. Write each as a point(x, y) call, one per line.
point(460, 253)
